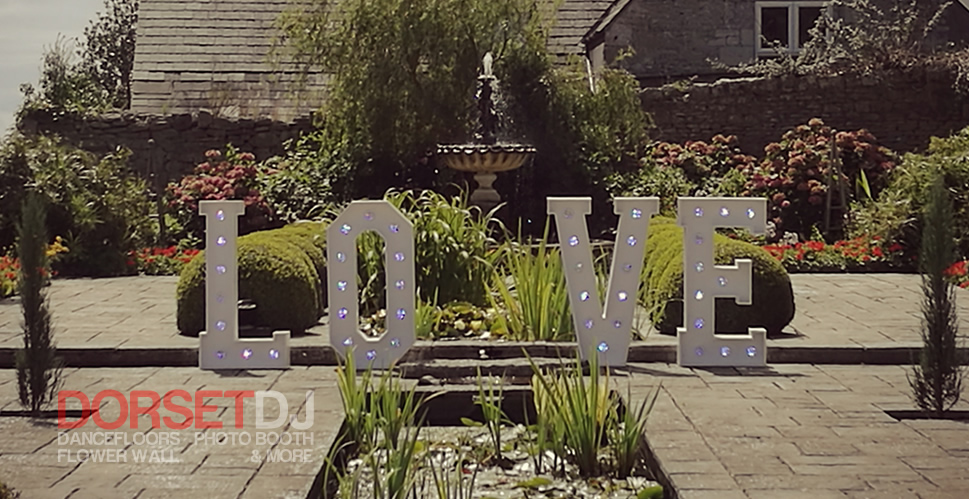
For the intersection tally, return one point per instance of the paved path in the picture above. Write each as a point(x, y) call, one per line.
point(790, 431)
point(42, 462)
point(799, 431)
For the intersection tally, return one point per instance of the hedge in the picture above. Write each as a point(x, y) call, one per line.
point(773, 296)
point(281, 270)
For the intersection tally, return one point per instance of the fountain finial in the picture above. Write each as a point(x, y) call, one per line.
point(486, 63)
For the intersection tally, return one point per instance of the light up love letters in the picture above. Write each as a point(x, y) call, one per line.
point(703, 282)
point(603, 330)
point(341, 253)
point(219, 345)
point(608, 332)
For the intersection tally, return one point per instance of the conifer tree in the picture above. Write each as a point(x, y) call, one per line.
point(38, 367)
point(937, 379)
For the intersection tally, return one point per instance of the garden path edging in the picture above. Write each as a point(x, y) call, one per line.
point(463, 355)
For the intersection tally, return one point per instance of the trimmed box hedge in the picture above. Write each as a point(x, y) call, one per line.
point(283, 271)
point(773, 296)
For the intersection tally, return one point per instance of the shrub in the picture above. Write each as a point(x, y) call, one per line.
point(100, 208)
point(304, 183)
point(896, 214)
point(275, 272)
point(692, 169)
point(234, 177)
point(773, 297)
point(794, 174)
point(653, 180)
point(587, 136)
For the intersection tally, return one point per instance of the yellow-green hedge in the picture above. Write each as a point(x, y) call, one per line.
point(282, 270)
point(773, 297)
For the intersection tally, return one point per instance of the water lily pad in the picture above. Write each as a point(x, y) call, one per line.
point(534, 483)
point(654, 492)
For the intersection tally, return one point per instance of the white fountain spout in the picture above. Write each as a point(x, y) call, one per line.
point(486, 63)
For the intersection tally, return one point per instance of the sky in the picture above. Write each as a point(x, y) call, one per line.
point(27, 27)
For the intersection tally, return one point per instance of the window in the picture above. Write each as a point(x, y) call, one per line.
point(786, 25)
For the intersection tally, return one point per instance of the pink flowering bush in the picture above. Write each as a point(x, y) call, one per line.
point(794, 174)
point(693, 168)
point(235, 176)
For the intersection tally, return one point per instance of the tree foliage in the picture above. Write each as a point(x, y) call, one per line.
point(403, 76)
point(403, 73)
point(109, 51)
point(98, 76)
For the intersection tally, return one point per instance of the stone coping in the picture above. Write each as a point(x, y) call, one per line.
point(431, 354)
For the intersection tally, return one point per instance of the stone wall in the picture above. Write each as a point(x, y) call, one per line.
point(168, 146)
point(903, 109)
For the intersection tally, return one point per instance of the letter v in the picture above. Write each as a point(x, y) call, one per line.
point(606, 332)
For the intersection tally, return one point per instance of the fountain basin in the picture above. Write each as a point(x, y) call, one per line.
point(483, 158)
point(485, 161)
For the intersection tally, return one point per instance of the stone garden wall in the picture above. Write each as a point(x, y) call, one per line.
point(170, 146)
point(903, 109)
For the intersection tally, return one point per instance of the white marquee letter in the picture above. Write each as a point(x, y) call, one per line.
point(341, 254)
point(607, 332)
point(703, 281)
point(219, 345)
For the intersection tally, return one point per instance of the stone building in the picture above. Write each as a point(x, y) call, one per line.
point(679, 39)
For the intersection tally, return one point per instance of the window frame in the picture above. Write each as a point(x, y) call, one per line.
point(793, 23)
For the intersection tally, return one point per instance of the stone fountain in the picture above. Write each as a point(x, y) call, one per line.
point(486, 156)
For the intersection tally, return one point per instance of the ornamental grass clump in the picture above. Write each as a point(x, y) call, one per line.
point(452, 242)
point(38, 366)
point(382, 427)
point(580, 420)
point(936, 380)
point(529, 285)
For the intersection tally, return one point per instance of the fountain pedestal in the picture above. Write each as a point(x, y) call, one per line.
point(485, 195)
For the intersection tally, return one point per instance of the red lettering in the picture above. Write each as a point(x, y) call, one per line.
point(62, 421)
point(201, 409)
point(151, 410)
point(178, 409)
point(96, 404)
point(239, 395)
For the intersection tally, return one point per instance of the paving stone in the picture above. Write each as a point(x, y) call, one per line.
point(804, 482)
point(710, 494)
point(794, 494)
point(715, 481)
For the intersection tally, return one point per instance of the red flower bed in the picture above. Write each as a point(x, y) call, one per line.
point(8, 275)
point(958, 273)
point(160, 261)
point(860, 253)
